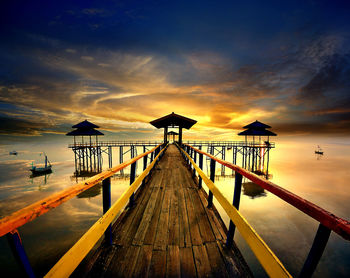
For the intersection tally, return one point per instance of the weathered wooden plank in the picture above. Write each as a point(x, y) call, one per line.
point(192, 220)
point(201, 261)
point(234, 262)
point(173, 261)
point(161, 239)
point(203, 221)
point(152, 228)
point(143, 261)
point(188, 268)
point(173, 235)
point(146, 219)
point(158, 264)
point(128, 229)
point(117, 263)
point(217, 264)
point(184, 229)
point(97, 266)
point(131, 259)
point(214, 217)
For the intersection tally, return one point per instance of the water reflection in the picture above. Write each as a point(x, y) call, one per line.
point(318, 156)
point(286, 230)
point(39, 180)
point(253, 190)
point(46, 174)
point(91, 192)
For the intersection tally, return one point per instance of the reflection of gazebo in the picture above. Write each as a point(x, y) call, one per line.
point(253, 190)
point(85, 128)
point(173, 133)
point(173, 120)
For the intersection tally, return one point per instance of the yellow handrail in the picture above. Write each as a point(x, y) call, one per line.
point(68, 263)
point(268, 260)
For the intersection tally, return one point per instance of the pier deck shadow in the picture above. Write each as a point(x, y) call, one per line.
point(168, 232)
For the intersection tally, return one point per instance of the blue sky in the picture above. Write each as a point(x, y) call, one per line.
point(121, 64)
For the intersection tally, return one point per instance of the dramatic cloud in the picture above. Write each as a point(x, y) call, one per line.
point(124, 64)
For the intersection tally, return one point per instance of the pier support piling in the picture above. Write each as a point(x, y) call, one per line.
point(106, 199)
point(316, 251)
point(132, 179)
point(236, 201)
point(212, 178)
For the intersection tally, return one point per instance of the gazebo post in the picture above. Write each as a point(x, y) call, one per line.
point(165, 134)
point(180, 135)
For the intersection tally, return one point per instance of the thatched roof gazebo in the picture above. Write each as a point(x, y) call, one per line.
point(85, 128)
point(173, 120)
point(257, 129)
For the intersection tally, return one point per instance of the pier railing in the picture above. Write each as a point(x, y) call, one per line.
point(251, 144)
point(115, 143)
point(155, 143)
point(328, 221)
point(66, 265)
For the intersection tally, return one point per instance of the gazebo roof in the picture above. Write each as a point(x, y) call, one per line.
point(173, 120)
point(172, 133)
point(257, 125)
point(257, 132)
point(85, 125)
point(84, 132)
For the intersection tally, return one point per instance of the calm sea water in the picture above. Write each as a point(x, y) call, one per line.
point(293, 165)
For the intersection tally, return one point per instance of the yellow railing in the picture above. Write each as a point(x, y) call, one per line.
point(268, 260)
point(29, 213)
point(9, 224)
point(68, 263)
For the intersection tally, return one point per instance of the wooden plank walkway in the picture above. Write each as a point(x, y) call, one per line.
point(168, 232)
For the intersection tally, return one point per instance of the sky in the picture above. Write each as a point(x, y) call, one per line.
point(122, 64)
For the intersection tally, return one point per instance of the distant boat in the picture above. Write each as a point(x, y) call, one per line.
point(42, 170)
point(13, 153)
point(319, 150)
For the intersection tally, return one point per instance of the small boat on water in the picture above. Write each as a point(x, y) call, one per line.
point(319, 150)
point(41, 170)
point(13, 153)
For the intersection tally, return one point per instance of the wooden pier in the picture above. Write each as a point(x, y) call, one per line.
point(253, 156)
point(164, 224)
point(169, 232)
